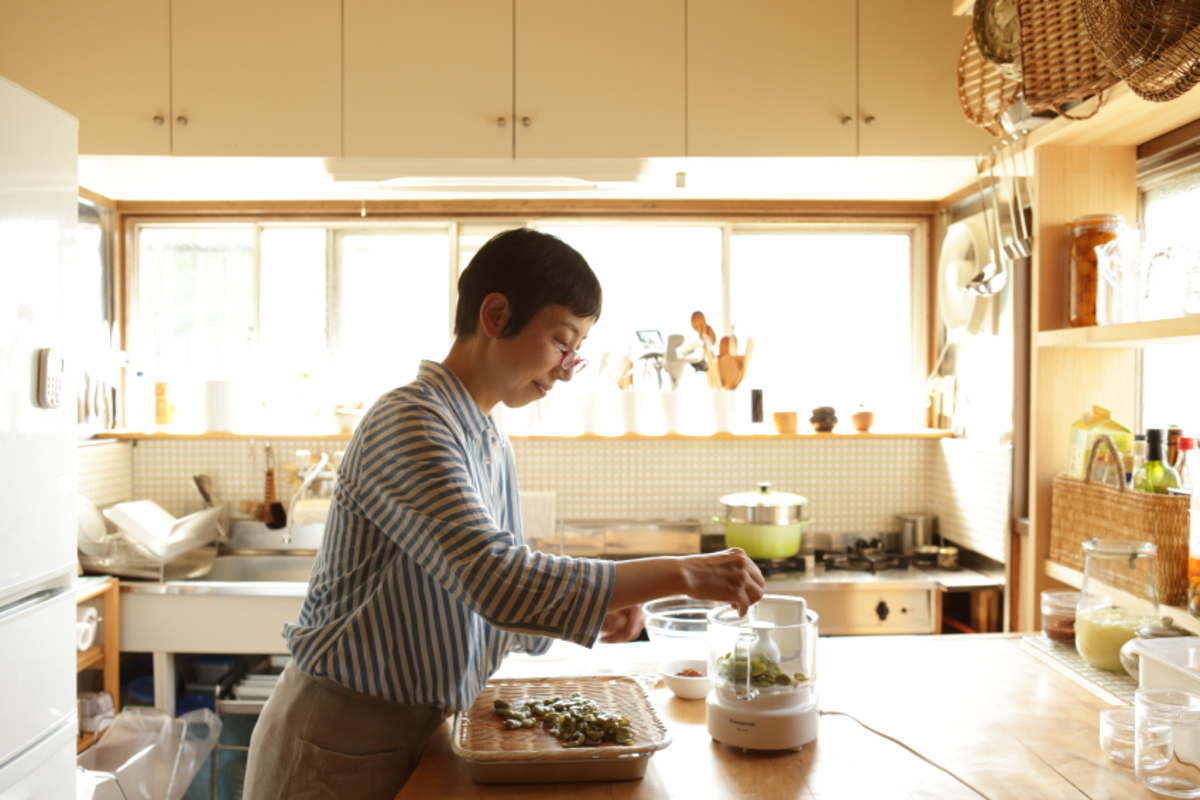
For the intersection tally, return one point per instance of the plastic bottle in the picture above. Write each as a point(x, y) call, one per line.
point(1186, 445)
point(1155, 475)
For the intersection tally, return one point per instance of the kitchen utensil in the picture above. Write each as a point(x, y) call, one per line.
point(678, 625)
point(992, 278)
point(763, 669)
point(743, 362)
point(274, 513)
point(763, 523)
point(1117, 734)
point(727, 366)
point(1016, 248)
point(687, 687)
point(675, 361)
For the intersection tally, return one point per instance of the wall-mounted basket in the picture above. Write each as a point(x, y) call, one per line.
point(1059, 63)
point(1154, 45)
point(983, 91)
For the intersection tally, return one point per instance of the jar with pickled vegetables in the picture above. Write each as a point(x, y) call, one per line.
point(1118, 596)
point(1088, 234)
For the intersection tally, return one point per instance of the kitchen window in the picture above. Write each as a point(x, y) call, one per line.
point(308, 316)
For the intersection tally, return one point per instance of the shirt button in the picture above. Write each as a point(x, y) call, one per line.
point(487, 459)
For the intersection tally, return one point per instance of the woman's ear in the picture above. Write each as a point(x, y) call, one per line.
point(494, 312)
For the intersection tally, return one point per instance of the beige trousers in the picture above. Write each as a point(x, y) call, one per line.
point(316, 739)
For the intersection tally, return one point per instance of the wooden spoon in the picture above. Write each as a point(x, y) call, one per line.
point(729, 368)
point(743, 362)
point(727, 348)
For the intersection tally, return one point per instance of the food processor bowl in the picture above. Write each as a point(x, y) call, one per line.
point(763, 668)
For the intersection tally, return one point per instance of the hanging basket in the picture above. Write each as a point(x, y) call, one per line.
point(1059, 63)
point(983, 91)
point(1154, 45)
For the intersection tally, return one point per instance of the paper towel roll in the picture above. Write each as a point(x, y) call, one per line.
point(86, 620)
point(218, 406)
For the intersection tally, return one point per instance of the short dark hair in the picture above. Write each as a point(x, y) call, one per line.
point(533, 270)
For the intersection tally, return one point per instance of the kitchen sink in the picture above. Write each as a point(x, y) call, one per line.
point(289, 568)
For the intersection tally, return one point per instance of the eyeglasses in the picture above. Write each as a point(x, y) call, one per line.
point(571, 360)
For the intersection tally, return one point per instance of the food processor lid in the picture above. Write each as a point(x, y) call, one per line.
point(764, 507)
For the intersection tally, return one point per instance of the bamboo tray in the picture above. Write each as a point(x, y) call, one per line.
point(497, 755)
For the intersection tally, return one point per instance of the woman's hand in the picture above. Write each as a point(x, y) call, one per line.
point(622, 625)
point(728, 576)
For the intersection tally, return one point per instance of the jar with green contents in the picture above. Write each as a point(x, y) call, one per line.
point(1117, 597)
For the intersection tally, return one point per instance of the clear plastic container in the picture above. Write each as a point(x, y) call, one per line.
point(1058, 615)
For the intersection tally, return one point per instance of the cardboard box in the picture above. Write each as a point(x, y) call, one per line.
point(1085, 432)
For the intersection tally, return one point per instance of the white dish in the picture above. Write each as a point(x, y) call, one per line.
point(685, 687)
point(152, 530)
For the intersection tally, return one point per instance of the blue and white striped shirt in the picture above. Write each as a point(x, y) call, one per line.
point(423, 582)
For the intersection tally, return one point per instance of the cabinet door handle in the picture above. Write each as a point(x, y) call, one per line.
point(501, 121)
point(526, 121)
point(181, 120)
point(158, 119)
point(869, 120)
point(847, 120)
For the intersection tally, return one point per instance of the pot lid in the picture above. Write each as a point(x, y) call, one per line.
point(1164, 628)
point(763, 497)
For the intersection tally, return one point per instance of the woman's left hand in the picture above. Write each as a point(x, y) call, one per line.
point(624, 625)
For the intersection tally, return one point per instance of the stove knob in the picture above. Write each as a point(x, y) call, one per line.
point(882, 611)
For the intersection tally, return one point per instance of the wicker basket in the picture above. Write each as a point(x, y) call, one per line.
point(1082, 509)
point(497, 755)
point(1059, 64)
point(1154, 45)
point(983, 91)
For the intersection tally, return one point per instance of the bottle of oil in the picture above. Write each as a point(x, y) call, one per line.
point(1155, 475)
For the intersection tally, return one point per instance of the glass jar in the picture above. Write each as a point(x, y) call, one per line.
point(1058, 616)
point(1088, 234)
point(1117, 597)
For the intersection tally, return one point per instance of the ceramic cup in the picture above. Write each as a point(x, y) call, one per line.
point(785, 421)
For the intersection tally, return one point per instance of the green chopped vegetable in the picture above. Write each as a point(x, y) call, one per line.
point(576, 721)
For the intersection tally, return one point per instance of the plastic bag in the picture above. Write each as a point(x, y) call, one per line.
point(152, 755)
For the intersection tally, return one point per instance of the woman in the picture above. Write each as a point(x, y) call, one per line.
point(423, 584)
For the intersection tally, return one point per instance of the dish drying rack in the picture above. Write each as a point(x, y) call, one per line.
point(150, 543)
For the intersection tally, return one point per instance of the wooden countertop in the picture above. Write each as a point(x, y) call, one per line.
point(976, 704)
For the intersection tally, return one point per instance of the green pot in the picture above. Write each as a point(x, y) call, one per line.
point(765, 524)
point(764, 541)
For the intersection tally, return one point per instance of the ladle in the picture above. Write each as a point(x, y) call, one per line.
point(990, 279)
point(1017, 248)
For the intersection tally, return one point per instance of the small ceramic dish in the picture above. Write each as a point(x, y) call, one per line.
point(688, 688)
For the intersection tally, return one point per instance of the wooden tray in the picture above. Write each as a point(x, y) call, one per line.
point(497, 755)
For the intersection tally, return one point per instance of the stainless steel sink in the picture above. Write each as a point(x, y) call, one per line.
point(289, 568)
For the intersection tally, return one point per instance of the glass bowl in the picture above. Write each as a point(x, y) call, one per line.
point(678, 625)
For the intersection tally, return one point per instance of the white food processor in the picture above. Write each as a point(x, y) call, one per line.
point(763, 669)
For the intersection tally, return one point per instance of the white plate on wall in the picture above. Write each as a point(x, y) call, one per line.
point(963, 255)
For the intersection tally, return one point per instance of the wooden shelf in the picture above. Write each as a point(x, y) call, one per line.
point(1131, 334)
point(105, 657)
point(1074, 578)
point(86, 740)
point(92, 657)
point(1124, 119)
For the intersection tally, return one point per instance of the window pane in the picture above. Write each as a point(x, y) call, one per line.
point(293, 329)
point(831, 318)
point(393, 309)
point(653, 278)
point(196, 299)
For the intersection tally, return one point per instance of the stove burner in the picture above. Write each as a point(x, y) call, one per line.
point(774, 566)
point(861, 560)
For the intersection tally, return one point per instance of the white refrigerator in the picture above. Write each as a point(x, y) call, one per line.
point(38, 479)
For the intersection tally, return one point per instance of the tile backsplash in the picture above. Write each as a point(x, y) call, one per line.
point(853, 485)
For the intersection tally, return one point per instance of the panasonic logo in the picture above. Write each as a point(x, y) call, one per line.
point(740, 722)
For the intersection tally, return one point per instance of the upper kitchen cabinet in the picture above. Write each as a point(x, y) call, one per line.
point(600, 79)
point(530, 79)
point(184, 77)
point(908, 104)
point(256, 77)
point(795, 78)
point(108, 64)
point(771, 78)
point(429, 78)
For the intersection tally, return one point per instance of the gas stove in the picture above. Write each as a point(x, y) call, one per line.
point(853, 560)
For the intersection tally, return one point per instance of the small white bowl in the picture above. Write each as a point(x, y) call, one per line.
point(685, 687)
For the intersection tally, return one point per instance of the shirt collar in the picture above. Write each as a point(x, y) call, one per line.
point(447, 384)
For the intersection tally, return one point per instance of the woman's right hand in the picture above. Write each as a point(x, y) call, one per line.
point(728, 576)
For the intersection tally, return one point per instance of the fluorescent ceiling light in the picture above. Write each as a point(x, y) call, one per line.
point(495, 183)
